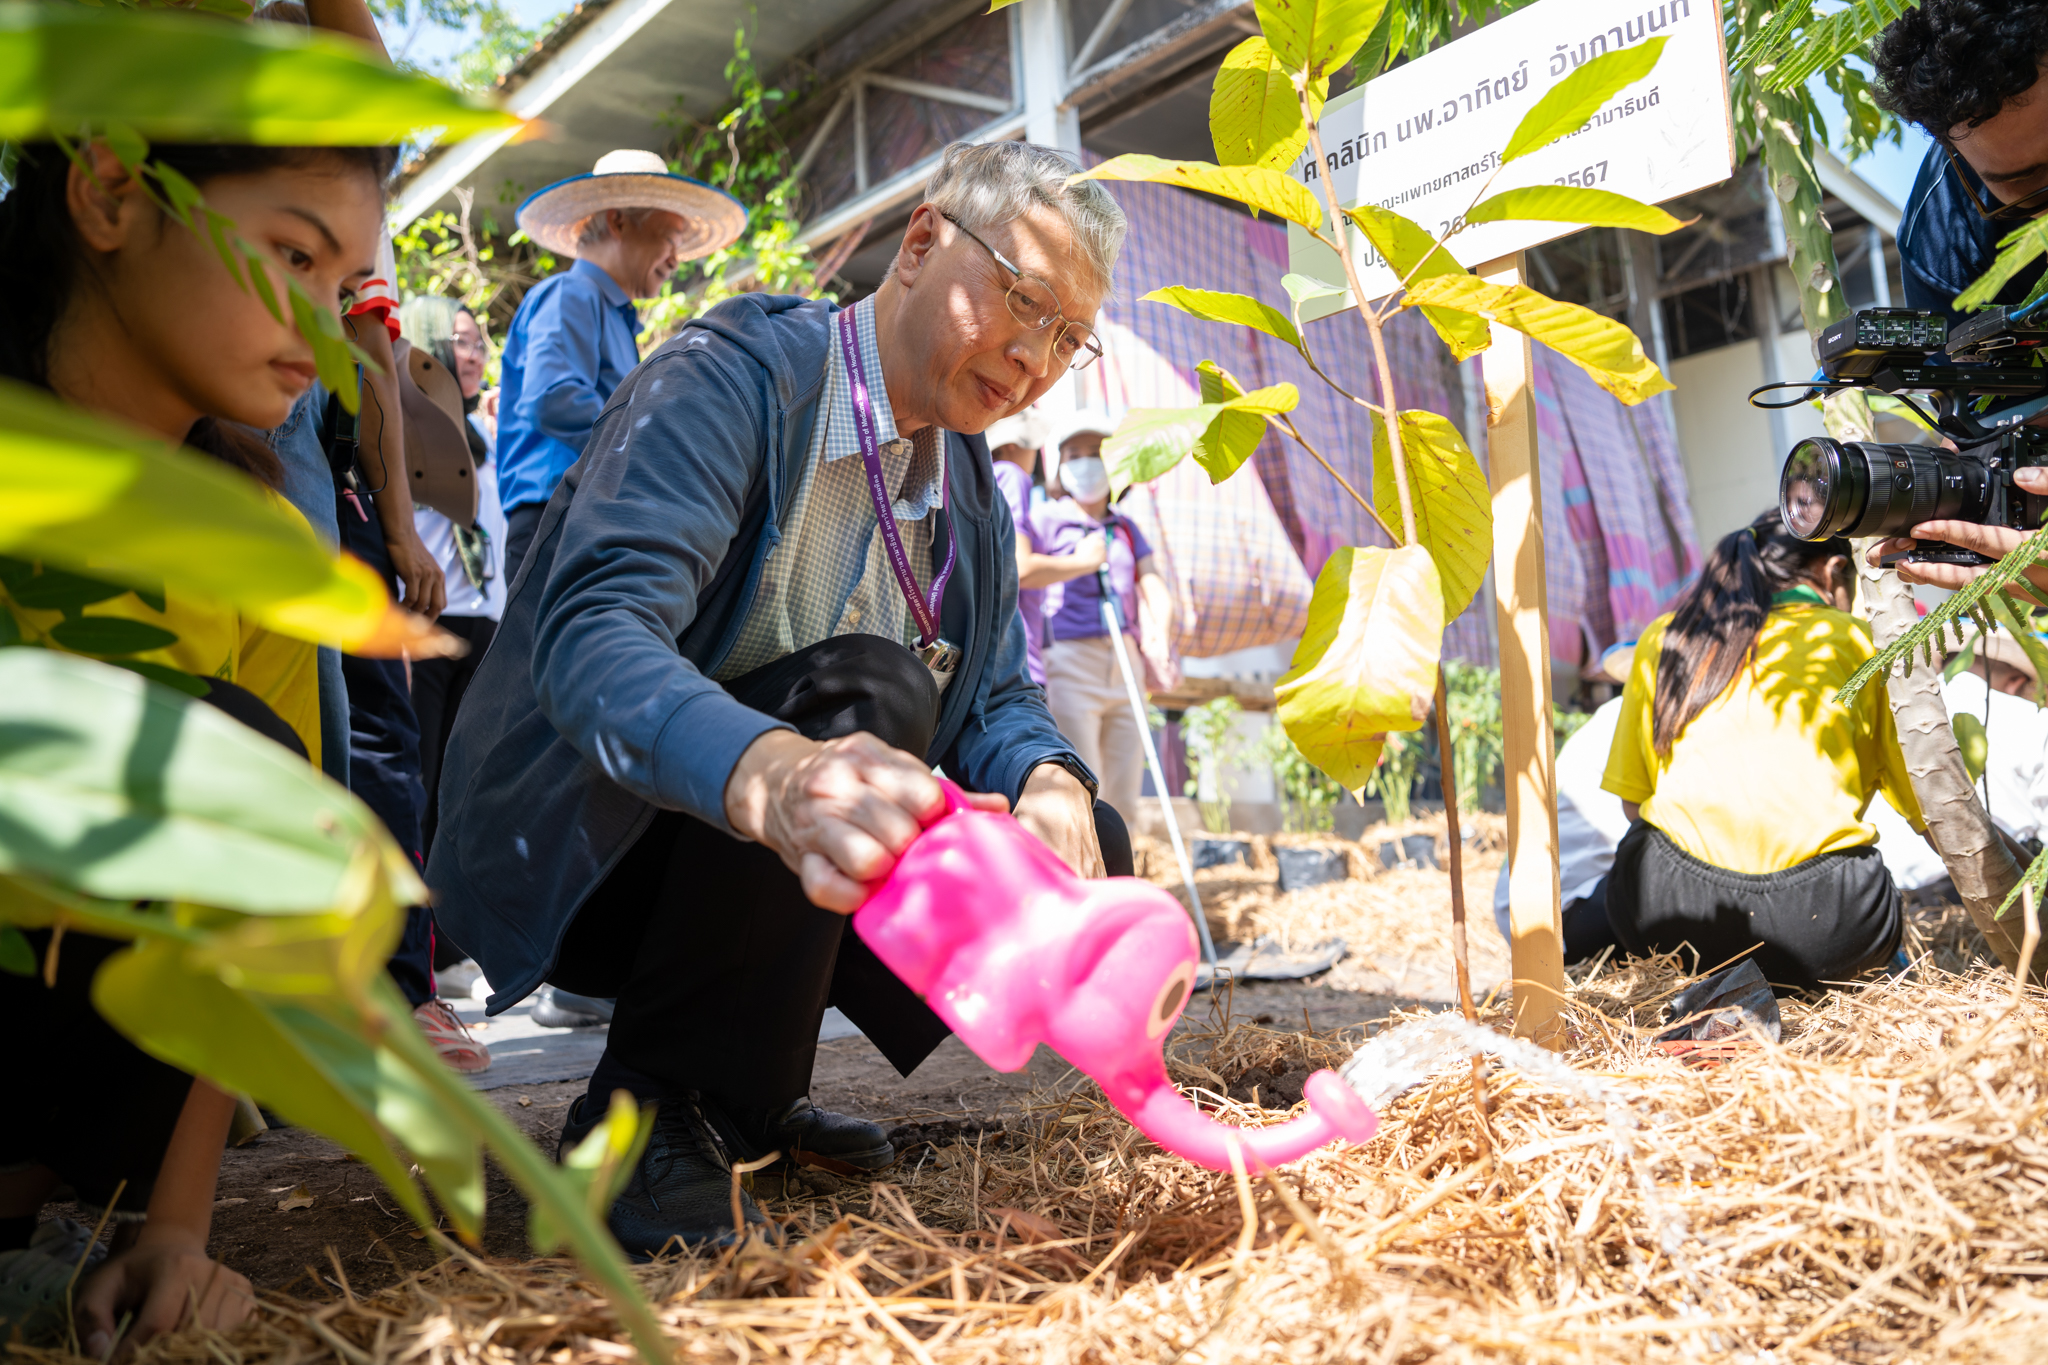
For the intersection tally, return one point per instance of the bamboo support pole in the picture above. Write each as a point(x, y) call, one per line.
point(1534, 918)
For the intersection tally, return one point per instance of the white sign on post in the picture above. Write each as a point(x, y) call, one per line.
point(1423, 138)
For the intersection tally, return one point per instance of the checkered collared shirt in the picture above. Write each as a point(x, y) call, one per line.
point(830, 574)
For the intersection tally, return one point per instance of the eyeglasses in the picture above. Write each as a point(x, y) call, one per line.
point(1035, 305)
point(2026, 207)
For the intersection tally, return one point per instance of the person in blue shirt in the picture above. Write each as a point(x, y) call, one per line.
point(1969, 73)
point(628, 224)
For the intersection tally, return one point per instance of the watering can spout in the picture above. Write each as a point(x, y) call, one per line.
point(1335, 1113)
point(1011, 950)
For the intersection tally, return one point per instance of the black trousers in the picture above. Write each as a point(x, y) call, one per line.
point(520, 524)
point(1829, 919)
point(722, 968)
point(438, 686)
point(384, 755)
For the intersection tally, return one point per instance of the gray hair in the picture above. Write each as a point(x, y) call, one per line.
point(993, 183)
point(598, 226)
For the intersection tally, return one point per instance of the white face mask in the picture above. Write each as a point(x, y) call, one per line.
point(1085, 478)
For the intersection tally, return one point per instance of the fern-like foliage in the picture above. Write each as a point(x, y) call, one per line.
point(2036, 877)
point(1967, 606)
point(1798, 44)
point(2017, 250)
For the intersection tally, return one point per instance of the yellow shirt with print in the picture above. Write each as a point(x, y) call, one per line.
point(214, 642)
point(1773, 771)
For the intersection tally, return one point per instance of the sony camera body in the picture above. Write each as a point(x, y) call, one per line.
point(1869, 488)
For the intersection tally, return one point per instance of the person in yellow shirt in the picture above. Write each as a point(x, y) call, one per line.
point(1747, 782)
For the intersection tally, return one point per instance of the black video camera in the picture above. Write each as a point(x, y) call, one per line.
point(1869, 488)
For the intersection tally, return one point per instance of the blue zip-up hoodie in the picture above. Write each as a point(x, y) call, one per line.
point(593, 707)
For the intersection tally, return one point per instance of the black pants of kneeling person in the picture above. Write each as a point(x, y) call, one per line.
point(722, 968)
point(1826, 920)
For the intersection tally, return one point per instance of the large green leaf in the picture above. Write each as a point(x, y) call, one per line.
point(1367, 661)
point(104, 500)
point(181, 77)
point(1453, 506)
point(117, 788)
point(1566, 106)
point(1318, 36)
point(1258, 186)
point(2017, 250)
point(1572, 204)
point(1414, 255)
point(1598, 345)
point(1213, 306)
point(1254, 111)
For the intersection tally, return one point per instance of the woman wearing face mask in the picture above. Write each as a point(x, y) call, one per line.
point(1084, 684)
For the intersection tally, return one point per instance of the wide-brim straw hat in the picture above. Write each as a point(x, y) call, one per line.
point(2001, 646)
point(552, 216)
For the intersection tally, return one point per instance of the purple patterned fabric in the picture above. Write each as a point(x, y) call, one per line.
point(1619, 539)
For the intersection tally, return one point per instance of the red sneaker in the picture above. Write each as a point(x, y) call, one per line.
point(451, 1038)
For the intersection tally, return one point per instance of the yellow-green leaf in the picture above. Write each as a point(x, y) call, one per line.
point(1318, 36)
point(1453, 506)
point(1598, 345)
point(1150, 441)
point(101, 499)
point(1221, 432)
point(1572, 204)
point(1213, 306)
point(1367, 661)
point(1258, 186)
point(1414, 255)
point(1566, 106)
point(1233, 435)
point(174, 77)
point(1254, 112)
point(1971, 742)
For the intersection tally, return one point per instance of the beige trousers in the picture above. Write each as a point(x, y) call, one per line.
point(1085, 690)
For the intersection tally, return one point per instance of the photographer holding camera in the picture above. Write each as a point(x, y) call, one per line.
point(1969, 72)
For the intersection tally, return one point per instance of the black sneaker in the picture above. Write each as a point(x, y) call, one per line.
point(681, 1191)
point(807, 1135)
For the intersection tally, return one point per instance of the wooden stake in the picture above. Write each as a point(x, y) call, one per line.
point(1534, 917)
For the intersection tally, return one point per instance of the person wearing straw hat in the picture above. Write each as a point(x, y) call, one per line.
point(776, 591)
point(628, 224)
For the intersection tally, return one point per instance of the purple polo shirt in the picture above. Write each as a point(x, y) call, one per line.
point(1076, 605)
point(1016, 489)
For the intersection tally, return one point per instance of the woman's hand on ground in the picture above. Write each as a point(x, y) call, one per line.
point(838, 813)
point(159, 1279)
point(1058, 809)
point(1993, 541)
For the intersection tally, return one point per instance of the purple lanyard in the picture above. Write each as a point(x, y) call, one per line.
point(937, 653)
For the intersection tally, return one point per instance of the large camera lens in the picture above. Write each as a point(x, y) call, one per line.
point(1868, 488)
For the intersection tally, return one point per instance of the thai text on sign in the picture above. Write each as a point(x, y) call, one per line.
point(1424, 138)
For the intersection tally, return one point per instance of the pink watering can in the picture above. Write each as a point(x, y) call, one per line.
point(1013, 950)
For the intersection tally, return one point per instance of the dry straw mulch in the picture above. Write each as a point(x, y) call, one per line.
point(1873, 1189)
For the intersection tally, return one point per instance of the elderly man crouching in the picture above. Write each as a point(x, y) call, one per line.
point(727, 669)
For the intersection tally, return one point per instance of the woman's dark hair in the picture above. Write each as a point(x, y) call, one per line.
point(40, 262)
point(1958, 61)
point(1715, 626)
